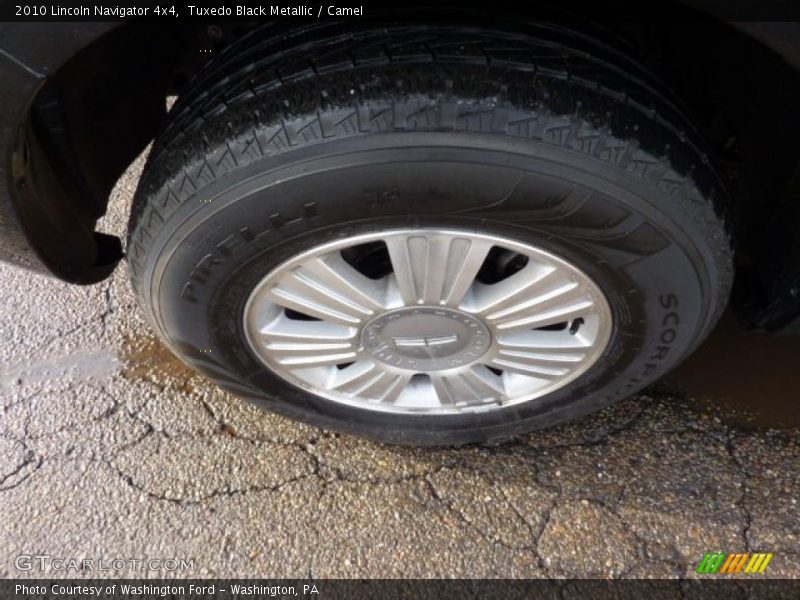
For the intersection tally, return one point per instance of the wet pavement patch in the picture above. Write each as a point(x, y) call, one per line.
point(743, 377)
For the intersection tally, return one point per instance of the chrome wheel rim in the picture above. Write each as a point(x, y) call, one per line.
point(428, 321)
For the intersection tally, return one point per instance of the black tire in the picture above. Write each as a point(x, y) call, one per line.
point(287, 142)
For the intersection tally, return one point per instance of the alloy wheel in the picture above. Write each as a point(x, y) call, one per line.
point(428, 321)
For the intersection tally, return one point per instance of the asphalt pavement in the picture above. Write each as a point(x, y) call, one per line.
point(111, 449)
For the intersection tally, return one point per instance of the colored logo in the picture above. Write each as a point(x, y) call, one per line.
point(720, 562)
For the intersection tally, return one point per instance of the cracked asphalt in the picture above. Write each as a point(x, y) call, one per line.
point(110, 448)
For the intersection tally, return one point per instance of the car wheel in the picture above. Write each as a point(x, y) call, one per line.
point(429, 235)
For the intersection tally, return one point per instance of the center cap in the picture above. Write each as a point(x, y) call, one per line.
point(425, 338)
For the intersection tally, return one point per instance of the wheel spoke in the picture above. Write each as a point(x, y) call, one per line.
point(491, 299)
point(530, 299)
point(547, 346)
point(384, 386)
point(483, 384)
point(445, 390)
point(284, 328)
point(537, 303)
point(464, 259)
point(473, 386)
point(436, 270)
point(525, 365)
point(394, 388)
point(544, 357)
point(408, 256)
point(305, 355)
point(536, 318)
point(352, 379)
point(540, 354)
point(337, 276)
point(302, 291)
point(367, 379)
point(310, 356)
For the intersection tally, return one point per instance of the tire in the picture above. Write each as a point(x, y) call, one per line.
point(287, 143)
